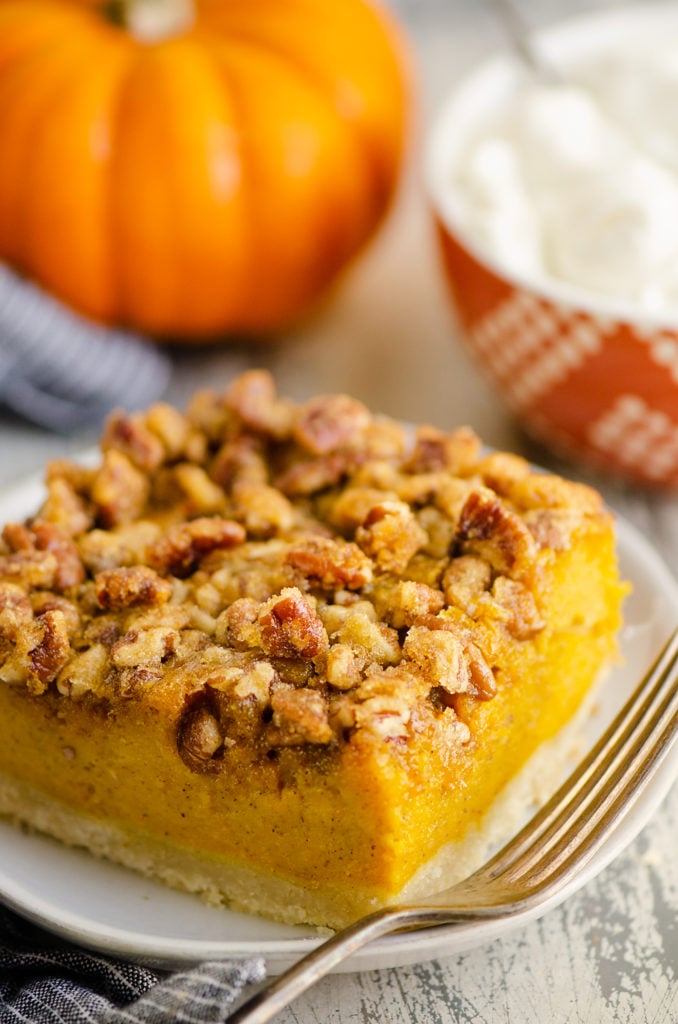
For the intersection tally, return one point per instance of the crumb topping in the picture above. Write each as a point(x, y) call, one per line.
point(297, 575)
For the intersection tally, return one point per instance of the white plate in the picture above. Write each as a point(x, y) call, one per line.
point(115, 911)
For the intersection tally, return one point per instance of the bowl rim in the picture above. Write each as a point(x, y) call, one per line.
point(503, 66)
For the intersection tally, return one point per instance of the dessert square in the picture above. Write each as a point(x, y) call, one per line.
point(289, 655)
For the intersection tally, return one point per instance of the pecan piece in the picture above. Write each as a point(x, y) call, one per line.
point(309, 477)
point(391, 535)
point(129, 434)
point(491, 530)
point(329, 421)
point(119, 490)
point(252, 396)
point(291, 627)
point(65, 508)
point(69, 568)
point(15, 611)
point(199, 739)
point(331, 564)
point(523, 618)
point(50, 650)
point(128, 587)
point(299, 717)
point(439, 657)
point(48, 538)
point(465, 580)
point(434, 450)
point(181, 549)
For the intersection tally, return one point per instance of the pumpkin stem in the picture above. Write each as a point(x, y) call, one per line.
point(151, 21)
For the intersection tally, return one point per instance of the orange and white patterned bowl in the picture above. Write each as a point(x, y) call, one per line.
point(592, 378)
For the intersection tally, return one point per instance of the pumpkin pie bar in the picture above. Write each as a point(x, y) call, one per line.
point(288, 656)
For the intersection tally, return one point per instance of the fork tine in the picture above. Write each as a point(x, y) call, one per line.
point(637, 739)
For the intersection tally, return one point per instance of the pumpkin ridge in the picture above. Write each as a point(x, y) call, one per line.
point(58, 68)
point(322, 85)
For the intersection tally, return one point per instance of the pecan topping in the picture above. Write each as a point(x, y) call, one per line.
point(391, 535)
point(523, 619)
point(291, 627)
point(311, 476)
point(129, 434)
point(331, 564)
point(491, 530)
point(327, 422)
point(199, 739)
point(435, 450)
point(299, 716)
point(440, 657)
point(181, 549)
point(50, 650)
point(253, 398)
point(125, 588)
point(119, 490)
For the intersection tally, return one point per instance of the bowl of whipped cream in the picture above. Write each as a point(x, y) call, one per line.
point(555, 197)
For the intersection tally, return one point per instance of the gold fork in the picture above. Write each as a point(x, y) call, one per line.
point(534, 868)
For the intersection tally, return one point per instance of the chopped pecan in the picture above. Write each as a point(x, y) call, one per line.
point(253, 398)
point(119, 490)
point(553, 527)
point(240, 459)
point(263, 509)
point(65, 508)
point(480, 673)
point(433, 450)
point(331, 564)
point(28, 544)
point(144, 647)
point(524, 620)
point(344, 666)
point(466, 579)
point(402, 602)
point(543, 490)
point(299, 717)
point(309, 477)
point(502, 471)
point(84, 673)
point(128, 433)
point(199, 739)
point(291, 627)
point(180, 550)
point(15, 611)
point(491, 530)
point(49, 651)
point(349, 509)
point(238, 625)
point(384, 704)
point(202, 496)
point(439, 657)
point(110, 549)
point(127, 587)
point(391, 535)
point(255, 681)
point(69, 570)
point(174, 432)
point(45, 601)
point(29, 568)
point(378, 642)
point(327, 422)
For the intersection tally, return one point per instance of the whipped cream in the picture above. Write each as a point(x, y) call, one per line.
point(579, 181)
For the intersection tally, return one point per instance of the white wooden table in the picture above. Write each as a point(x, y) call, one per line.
point(610, 954)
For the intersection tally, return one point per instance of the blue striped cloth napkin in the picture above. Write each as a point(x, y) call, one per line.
point(62, 371)
point(44, 980)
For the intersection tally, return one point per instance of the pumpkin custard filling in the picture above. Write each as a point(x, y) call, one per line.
point(288, 656)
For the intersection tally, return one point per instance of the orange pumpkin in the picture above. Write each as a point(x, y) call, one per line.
point(198, 176)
